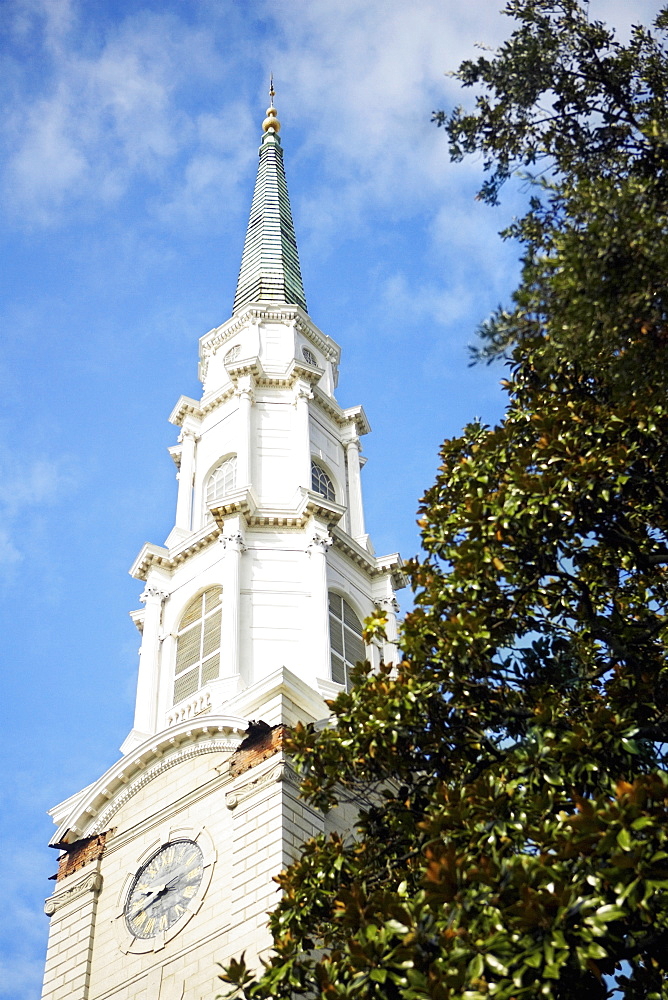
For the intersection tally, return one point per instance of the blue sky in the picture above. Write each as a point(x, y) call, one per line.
point(129, 149)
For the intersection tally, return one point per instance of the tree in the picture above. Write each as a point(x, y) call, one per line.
point(513, 825)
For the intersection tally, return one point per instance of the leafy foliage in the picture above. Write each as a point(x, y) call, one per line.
point(511, 772)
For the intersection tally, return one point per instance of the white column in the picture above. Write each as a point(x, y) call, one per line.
point(230, 658)
point(244, 393)
point(302, 435)
point(390, 652)
point(355, 509)
point(319, 647)
point(184, 501)
point(149, 662)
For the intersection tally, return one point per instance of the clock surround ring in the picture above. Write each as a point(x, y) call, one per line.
point(131, 943)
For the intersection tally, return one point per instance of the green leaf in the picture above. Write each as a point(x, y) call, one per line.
point(496, 965)
point(624, 840)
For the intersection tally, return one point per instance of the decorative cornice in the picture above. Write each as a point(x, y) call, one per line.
point(392, 564)
point(176, 451)
point(90, 883)
point(281, 771)
point(243, 502)
point(212, 341)
point(138, 618)
point(306, 505)
point(212, 403)
point(90, 812)
point(354, 415)
point(244, 366)
point(168, 559)
point(325, 344)
point(185, 406)
point(174, 758)
point(239, 501)
point(374, 566)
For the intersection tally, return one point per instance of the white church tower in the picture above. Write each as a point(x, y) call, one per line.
point(252, 610)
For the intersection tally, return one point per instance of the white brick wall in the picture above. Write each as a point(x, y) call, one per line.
point(72, 909)
point(253, 840)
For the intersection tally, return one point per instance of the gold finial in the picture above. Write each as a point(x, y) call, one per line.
point(271, 122)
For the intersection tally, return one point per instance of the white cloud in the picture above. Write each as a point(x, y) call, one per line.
point(223, 146)
point(115, 106)
point(9, 554)
point(25, 489)
point(365, 78)
point(40, 481)
point(103, 119)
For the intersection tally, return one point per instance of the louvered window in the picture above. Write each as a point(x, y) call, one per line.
point(345, 638)
point(321, 483)
point(222, 480)
point(198, 644)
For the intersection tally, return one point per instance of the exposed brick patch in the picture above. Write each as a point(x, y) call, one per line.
point(261, 742)
point(80, 853)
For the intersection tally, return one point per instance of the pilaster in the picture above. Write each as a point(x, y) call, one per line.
point(270, 823)
point(72, 909)
point(390, 606)
point(188, 440)
point(356, 509)
point(149, 662)
point(317, 550)
point(244, 393)
point(234, 545)
point(303, 395)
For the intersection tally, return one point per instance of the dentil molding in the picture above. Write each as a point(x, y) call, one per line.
point(176, 757)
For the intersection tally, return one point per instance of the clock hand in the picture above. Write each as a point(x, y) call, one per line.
point(143, 903)
point(152, 895)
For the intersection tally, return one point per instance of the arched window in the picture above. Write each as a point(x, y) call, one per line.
point(223, 479)
point(198, 644)
point(309, 357)
point(345, 638)
point(321, 483)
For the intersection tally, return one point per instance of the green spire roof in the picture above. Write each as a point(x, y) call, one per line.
point(270, 269)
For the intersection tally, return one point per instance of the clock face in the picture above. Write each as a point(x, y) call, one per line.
point(163, 887)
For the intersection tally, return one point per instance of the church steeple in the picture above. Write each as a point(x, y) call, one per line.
point(253, 609)
point(270, 269)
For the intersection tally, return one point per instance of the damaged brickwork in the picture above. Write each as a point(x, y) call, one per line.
point(79, 854)
point(261, 742)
